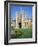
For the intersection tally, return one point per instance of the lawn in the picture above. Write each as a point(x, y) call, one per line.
point(23, 33)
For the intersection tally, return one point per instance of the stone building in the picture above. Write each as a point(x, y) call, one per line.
point(22, 21)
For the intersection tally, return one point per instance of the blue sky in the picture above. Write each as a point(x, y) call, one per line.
point(15, 8)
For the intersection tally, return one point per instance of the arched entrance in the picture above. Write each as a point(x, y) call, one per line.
point(20, 25)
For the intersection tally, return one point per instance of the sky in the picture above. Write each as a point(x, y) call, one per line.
point(15, 8)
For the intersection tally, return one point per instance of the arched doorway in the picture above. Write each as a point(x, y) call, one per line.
point(20, 25)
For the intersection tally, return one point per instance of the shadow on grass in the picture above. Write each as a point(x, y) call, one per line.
point(22, 33)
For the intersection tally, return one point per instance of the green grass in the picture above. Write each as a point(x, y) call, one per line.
point(23, 33)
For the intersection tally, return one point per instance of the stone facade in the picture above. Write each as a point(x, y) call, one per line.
point(21, 20)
